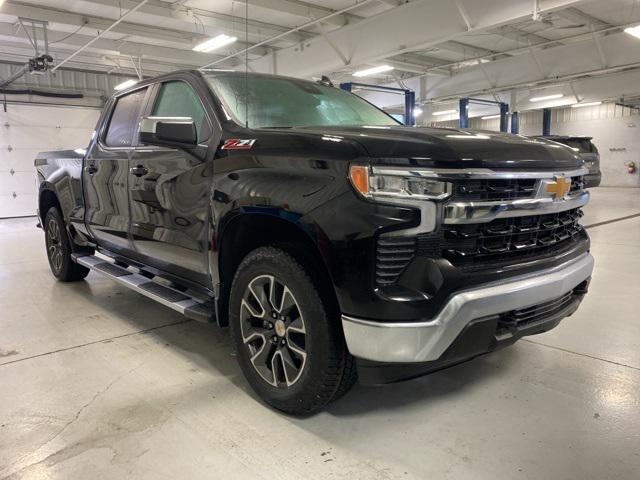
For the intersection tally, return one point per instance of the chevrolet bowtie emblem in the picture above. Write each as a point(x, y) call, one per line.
point(559, 187)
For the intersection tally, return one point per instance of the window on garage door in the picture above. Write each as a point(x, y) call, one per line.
point(178, 99)
point(123, 119)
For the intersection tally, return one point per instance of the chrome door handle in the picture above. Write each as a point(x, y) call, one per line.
point(91, 169)
point(138, 171)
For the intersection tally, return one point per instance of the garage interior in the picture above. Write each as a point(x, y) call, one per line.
point(97, 380)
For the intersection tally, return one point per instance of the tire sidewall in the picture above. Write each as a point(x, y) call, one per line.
point(319, 345)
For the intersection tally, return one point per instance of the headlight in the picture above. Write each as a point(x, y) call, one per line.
point(396, 184)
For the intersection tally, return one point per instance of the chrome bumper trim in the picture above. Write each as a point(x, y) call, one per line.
point(424, 341)
point(481, 212)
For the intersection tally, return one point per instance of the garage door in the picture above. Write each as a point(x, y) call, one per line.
point(26, 130)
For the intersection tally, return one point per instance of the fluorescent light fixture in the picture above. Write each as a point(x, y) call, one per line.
point(490, 117)
point(214, 43)
point(373, 71)
point(444, 112)
point(125, 84)
point(635, 31)
point(546, 97)
point(417, 112)
point(586, 104)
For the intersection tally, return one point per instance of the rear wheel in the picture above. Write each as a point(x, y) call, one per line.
point(290, 350)
point(59, 249)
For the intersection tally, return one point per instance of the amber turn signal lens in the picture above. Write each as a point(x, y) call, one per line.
point(359, 176)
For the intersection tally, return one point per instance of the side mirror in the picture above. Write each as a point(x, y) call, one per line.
point(168, 131)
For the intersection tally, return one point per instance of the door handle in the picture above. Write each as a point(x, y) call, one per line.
point(91, 169)
point(138, 171)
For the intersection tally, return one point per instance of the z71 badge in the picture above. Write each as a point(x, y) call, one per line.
point(238, 144)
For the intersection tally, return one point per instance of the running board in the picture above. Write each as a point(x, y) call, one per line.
point(190, 307)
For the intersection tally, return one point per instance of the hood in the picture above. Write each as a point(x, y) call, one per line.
point(454, 148)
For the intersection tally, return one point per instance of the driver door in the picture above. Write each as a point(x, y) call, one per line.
point(170, 189)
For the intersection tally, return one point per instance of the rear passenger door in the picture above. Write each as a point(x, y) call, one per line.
point(170, 189)
point(106, 173)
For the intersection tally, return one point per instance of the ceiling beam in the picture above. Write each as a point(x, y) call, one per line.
point(520, 37)
point(188, 15)
point(464, 49)
point(110, 47)
point(563, 63)
point(576, 15)
point(420, 30)
point(186, 38)
point(19, 52)
point(302, 9)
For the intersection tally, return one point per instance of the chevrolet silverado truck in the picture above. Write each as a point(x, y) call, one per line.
point(334, 242)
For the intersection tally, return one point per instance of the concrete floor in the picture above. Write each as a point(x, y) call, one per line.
point(99, 382)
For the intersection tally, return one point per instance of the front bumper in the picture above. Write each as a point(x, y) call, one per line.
point(592, 179)
point(425, 341)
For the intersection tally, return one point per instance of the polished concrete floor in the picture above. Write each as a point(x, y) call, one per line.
point(99, 382)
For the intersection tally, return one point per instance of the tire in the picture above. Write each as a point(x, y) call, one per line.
point(298, 361)
point(59, 249)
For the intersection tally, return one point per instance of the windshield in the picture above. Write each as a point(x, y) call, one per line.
point(275, 102)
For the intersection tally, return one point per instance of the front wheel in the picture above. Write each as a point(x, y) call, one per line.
point(291, 352)
point(59, 249)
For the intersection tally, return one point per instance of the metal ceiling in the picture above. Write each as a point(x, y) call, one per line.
point(441, 47)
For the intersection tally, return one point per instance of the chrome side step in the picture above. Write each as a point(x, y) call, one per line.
point(191, 307)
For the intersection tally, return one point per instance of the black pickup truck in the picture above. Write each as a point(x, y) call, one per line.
point(335, 242)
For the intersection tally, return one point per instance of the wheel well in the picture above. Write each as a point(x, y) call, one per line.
point(47, 200)
point(253, 231)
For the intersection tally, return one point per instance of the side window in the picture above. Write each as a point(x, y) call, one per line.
point(178, 99)
point(123, 119)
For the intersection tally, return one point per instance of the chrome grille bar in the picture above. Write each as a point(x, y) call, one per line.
point(482, 212)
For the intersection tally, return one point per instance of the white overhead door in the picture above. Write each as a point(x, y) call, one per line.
point(26, 130)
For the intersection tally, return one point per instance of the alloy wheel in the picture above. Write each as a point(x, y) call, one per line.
point(273, 331)
point(54, 244)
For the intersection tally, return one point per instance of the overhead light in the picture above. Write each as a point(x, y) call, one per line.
point(125, 84)
point(635, 31)
point(444, 112)
point(214, 43)
point(373, 71)
point(490, 117)
point(585, 104)
point(546, 97)
point(417, 112)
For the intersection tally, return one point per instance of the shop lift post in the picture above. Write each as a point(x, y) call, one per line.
point(464, 111)
point(409, 97)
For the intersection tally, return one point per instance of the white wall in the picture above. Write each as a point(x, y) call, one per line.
point(26, 130)
point(615, 131)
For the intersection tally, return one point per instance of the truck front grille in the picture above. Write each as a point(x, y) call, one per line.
point(501, 189)
point(479, 246)
point(492, 190)
point(509, 239)
point(487, 245)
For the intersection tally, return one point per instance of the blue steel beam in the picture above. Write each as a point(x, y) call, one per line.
point(504, 111)
point(515, 123)
point(464, 112)
point(546, 121)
